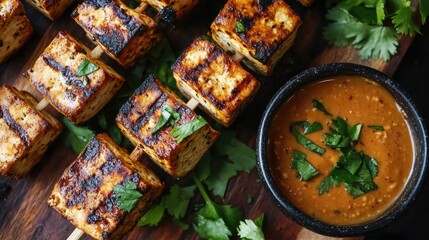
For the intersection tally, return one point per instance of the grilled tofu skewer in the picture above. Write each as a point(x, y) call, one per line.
point(135, 155)
point(42, 104)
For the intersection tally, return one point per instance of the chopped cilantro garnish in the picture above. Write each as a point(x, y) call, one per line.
point(239, 27)
point(168, 115)
point(127, 196)
point(309, 127)
point(85, 68)
point(306, 142)
point(377, 128)
point(305, 170)
point(181, 132)
point(319, 106)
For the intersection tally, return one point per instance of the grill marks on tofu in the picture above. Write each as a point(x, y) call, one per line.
point(124, 34)
point(55, 75)
point(269, 30)
point(222, 87)
point(25, 133)
point(15, 28)
point(52, 9)
point(85, 193)
point(138, 117)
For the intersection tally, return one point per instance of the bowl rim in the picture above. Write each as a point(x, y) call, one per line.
point(318, 73)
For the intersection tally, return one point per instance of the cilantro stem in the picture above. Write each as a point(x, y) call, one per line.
point(202, 190)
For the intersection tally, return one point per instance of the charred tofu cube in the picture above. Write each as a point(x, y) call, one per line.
point(52, 9)
point(208, 74)
point(85, 192)
point(139, 116)
point(123, 34)
point(25, 132)
point(15, 28)
point(57, 75)
point(306, 3)
point(173, 8)
point(259, 30)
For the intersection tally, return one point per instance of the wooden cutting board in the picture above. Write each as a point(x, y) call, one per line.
point(24, 213)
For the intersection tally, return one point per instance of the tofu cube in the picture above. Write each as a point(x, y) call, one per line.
point(208, 74)
point(85, 192)
point(178, 8)
point(52, 9)
point(138, 117)
point(259, 30)
point(15, 28)
point(55, 75)
point(124, 34)
point(25, 133)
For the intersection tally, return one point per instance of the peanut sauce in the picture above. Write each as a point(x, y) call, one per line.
point(358, 100)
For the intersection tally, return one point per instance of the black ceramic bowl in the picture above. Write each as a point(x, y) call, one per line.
point(418, 133)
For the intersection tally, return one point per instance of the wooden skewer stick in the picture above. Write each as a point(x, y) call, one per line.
point(143, 5)
point(76, 234)
point(237, 57)
point(42, 104)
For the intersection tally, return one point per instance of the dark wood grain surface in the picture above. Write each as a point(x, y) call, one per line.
point(24, 213)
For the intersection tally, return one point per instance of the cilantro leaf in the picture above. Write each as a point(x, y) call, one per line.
point(376, 128)
point(127, 196)
point(177, 201)
point(354, 131)
point(239, 27)
point(76, 137)
point(215, 216)
point(168, 115)
point(424, 10)
point(212, 228)
point(381, 44)
point(85, 68)
point(403, 21)
point(251, 230)
point(305, 170)
point(307, 143)
point(319, 106)
point(326, 184)
point(227, 157)
point(379, 9)
point(153, 216)
point(179, 133)
point(309, 127)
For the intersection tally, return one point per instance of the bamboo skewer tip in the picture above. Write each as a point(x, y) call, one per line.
point(42, 104)
point(76, 234)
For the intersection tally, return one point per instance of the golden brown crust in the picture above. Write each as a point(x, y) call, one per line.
point(179, 7)
point(54, 75)
point(85, 192)
point(52, 9)
point(267, 30)
point(25, 133)
point(221, 86)
point(140, 114)
point(122, 33)
point(15, 28)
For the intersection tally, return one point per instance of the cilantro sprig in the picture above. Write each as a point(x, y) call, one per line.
point(127, 196)
point(371, 26)
point(251, 230)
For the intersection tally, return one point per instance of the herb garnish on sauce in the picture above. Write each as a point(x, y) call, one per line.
point(376, 128)
point(305, 170)
point(355, 169)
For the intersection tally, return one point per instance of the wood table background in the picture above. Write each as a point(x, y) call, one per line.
point(24, 213)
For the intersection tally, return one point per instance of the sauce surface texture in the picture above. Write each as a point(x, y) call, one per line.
point(357, 100)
